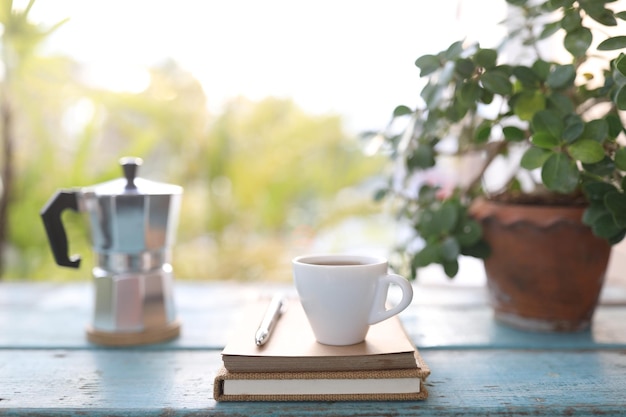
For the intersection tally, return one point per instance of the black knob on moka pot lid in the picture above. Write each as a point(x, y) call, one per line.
point(130, 166)
point(131, 184)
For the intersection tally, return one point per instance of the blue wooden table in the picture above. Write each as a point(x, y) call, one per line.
point(479, 367)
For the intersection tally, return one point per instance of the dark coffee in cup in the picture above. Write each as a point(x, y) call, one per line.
point(337, 263)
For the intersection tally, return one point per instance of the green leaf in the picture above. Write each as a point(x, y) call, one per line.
point(614, 240)
point(560, 173)
point(426, 194)
point(616, 203)
point(380, 194)
point(447, 216)
point(596, 190)
point(449, 249)
point(505, 69)
point(428, 255)
point(438, 222)
point(423, 157)
point(480, 250)
point(486, 58)
point(402, 111)
point(513, 134)
point(470, 232)
point(526, 76)
point(483, 131)
point(574, 127)
point(451, 268)
point(578, 41)
point(496, 82)
point(611, 44)
point(602, 168)
point(454, 51)
point(560, 103)
point(457, 110)
point(464, 67)
point(534, 158)
point(614, 124)
point(618, 74)
point(620, 159)
point(486, 96)
point(528, 103)
point(621, 15)
point(428, 64)
point(594, 212)
point(597, 130)
point(604, 226)
point(545, 140)
point(561, 77)
point(620, 98)
point(515, 185)
point(549, 29)
point(620, 65)
point(587, 151)
point(541, 68)
point(548, 121)
point(431, 94)
point(571, 20)
point(469, 93)
point(596, 10)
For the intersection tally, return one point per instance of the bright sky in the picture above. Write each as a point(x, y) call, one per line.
point(354, 58)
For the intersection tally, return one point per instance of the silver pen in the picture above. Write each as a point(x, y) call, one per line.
point(272, 314)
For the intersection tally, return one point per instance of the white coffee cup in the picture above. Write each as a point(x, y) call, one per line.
point(342, 295)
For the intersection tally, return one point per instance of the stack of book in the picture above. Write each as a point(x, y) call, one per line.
point(293, 366)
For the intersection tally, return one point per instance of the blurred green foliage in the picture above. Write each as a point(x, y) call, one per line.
point(260, 178)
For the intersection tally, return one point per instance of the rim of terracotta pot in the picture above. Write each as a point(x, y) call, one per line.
point(509, 213)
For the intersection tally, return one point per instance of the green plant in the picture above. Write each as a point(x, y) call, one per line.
point(555, 121)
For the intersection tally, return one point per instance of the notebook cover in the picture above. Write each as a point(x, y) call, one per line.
point(292, 346)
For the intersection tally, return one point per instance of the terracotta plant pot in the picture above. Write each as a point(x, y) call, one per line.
point(546, 268)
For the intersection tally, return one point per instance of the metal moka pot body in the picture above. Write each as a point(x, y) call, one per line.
point(133, 224)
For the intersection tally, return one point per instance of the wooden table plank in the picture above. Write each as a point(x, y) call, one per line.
point(478, 366)
point(134, 382)
point(54, 316)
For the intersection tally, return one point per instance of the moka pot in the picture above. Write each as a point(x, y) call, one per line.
point(133, 223)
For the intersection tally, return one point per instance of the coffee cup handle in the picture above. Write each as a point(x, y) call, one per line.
point(379, 310)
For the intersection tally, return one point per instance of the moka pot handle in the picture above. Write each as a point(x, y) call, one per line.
point(51, 215)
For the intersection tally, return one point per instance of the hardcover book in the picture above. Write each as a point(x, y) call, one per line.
point(292, 346)
point(378, 385)
point(293, 366)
